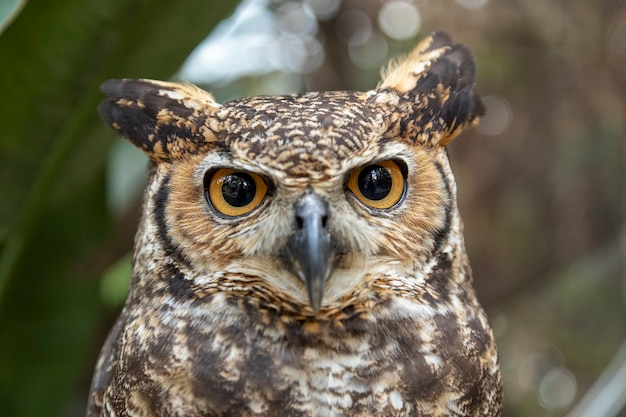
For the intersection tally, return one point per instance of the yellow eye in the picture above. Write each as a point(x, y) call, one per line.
point(380, 185)
point(234, 193)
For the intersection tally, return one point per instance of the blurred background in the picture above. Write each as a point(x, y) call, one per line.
point(541, 180)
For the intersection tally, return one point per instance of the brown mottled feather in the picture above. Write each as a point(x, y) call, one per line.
point(218, 324)
point(165, 120)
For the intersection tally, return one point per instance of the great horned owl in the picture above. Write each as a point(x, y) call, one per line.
point(301, 255)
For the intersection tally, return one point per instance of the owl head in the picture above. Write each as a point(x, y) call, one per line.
point(306, 200)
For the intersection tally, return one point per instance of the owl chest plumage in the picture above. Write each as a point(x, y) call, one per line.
point(221, 358)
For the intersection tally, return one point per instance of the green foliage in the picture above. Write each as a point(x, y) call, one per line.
point(53, 213)
point(115, 281)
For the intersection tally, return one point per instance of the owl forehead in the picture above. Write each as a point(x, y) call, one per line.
point(307, 135)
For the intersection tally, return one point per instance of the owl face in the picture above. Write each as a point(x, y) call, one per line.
point(313, 195)
point(307, 195)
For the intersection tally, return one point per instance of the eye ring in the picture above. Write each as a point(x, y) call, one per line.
point(234, 193)
point(380, 185)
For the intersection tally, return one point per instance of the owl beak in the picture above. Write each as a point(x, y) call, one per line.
point(310, 251)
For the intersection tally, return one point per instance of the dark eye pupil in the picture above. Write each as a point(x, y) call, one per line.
point(374, 182)
point(238, 189)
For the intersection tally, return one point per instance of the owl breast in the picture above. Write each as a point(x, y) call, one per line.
point(234, 358)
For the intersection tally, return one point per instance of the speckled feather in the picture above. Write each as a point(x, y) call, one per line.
point(215, 323)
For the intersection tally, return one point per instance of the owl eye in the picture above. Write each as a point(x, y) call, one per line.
point(233, 193)
point(380, 185)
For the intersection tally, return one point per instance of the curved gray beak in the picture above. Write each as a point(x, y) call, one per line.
point(309, 252)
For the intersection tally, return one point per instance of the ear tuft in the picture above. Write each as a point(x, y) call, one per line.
point(397, 73)
point(165, 120)
point(438, 79)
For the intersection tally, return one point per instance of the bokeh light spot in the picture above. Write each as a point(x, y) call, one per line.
point(399, 20)
point(370, 54)
point(302, 54)
point(353, 27)
point(323, 9)
point(472, 4)
point(296, 20)
point(557, 389)
point(498, 116)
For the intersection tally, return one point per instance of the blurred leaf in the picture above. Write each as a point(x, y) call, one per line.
point(115, 282)
point(53, 214)
point(9, 9)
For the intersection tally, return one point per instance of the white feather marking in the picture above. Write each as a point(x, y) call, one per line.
point(395, 399)
point(174, 95)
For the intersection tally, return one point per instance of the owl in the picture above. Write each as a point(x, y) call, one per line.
point(301, 255)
